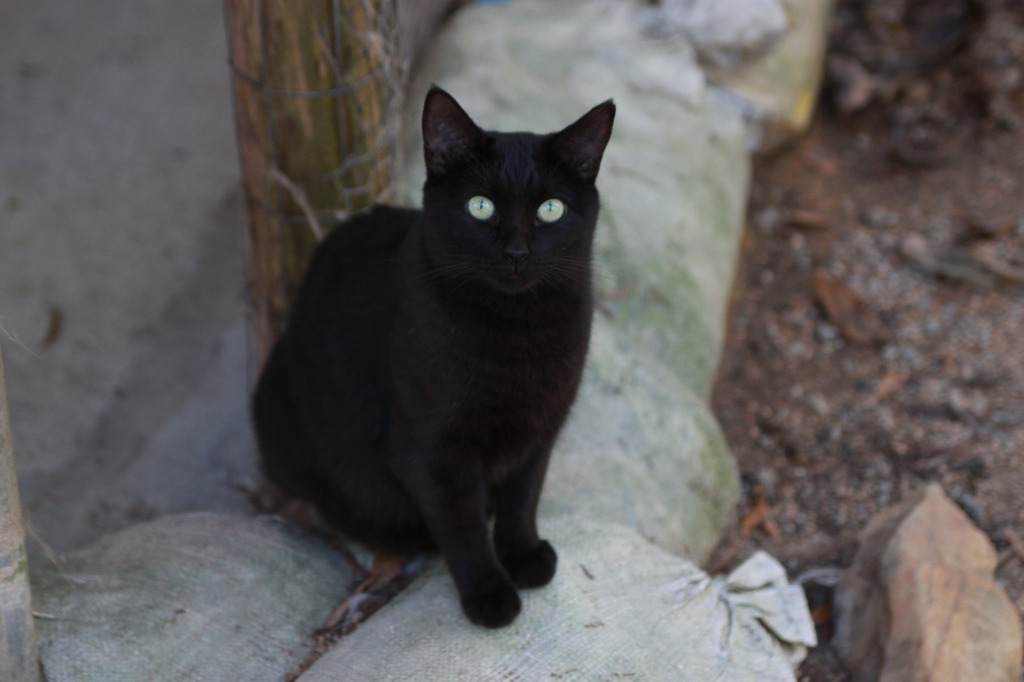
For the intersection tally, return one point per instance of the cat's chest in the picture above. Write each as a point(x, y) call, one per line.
point(501, 389)
point(492, 379)
point(509, 392)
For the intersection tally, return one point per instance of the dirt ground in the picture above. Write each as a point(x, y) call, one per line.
point(876, 336)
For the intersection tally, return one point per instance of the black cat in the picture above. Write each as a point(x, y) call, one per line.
point(432, 356)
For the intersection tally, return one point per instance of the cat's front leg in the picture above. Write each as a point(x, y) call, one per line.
point(452, 498)
point(529, 560)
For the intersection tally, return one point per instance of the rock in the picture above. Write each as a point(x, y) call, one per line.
point(920, 602)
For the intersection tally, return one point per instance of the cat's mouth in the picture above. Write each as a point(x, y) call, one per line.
point(515, 281)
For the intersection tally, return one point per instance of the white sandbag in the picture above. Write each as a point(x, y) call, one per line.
point(724, 32)
point(212, 599)
point(618, 608)
point(193, 597)
point(641, 447)
point(675, 174)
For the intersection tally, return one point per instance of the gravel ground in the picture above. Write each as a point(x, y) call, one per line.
point(876, 338)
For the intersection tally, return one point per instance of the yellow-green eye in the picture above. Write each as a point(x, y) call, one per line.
point(551, 210)
point(480, 208)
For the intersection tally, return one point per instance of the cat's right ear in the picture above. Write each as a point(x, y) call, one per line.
point(581, 145)
point(450, 138)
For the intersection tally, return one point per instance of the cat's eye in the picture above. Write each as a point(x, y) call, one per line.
point(550, 211)
point(480, 208)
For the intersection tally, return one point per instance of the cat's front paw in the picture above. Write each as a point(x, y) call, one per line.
point(493, 608)
point(534, 568)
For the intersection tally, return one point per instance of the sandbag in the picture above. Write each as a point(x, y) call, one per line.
point(641, 446)
point(192, 597)
point(618, 608)
point(640, 461)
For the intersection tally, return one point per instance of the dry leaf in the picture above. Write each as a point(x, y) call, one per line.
point(982, 266)
point(991, 255)
point(760, 517)
point(890, 384)
point(754, 518)
point(976, 229)
point(808, 219)
point(857, 321)
point(822, 614)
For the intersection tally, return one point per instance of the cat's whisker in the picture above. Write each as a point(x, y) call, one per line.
point(461, 272)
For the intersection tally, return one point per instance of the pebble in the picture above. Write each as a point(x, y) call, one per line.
point(877, 216)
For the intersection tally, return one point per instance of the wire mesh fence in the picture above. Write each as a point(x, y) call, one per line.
point(316, 85)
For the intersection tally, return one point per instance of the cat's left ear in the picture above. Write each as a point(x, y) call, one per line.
point(582, 144)
point(450, 138)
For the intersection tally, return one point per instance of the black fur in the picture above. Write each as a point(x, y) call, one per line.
point(431, 358)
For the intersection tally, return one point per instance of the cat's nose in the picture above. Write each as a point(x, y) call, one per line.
point(516, 257)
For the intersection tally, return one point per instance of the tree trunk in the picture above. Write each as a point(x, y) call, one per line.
point(18, 661)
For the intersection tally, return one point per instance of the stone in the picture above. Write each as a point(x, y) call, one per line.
point(920, 603)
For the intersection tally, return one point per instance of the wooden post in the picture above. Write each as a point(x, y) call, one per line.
point(314, 84)
point(18, 662)
point(317, 87)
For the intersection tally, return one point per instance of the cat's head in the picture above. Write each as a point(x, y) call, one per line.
point(513, 210)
